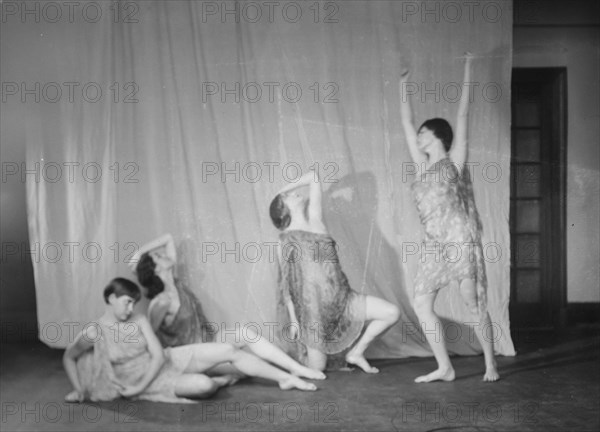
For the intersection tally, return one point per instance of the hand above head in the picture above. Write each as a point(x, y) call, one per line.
point(468, 56)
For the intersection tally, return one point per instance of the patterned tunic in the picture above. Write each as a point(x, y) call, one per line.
point(121, 354)
point(189, 324)
point(330, 314)
point(451, 251)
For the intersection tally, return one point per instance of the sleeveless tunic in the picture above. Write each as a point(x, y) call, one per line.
point(451, 250)
point(120, 354)
point(330, 314)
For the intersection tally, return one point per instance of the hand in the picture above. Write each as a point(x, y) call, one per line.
point(130, 391)
point(468, 56)
point(404, 75)
point(75, 397)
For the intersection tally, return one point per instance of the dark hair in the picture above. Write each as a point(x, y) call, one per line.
point(280, 213)
point(441, 129)
point(121, 287)
point(147, 277)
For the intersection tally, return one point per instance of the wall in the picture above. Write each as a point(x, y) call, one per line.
point(567, 34)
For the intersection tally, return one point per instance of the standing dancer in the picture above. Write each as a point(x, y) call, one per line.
point(446, 206)
point(327, 315)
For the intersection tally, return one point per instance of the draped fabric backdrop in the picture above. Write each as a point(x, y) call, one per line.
point(187, 158)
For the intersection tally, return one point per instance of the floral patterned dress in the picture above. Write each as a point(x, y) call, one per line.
point(120, 354)
point(451, 250)
point(330, 314)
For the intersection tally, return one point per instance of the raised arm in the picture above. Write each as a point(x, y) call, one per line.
point(165, 241)
point(305, 180)
point(407, 122)
point(81, 344)
point(458, 152)
point(315, 207)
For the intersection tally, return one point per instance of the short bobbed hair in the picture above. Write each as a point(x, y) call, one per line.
point(441, 129)
point(120, 287)
point(280, 213)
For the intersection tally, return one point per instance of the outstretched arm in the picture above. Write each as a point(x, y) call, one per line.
point(407, 122)
point(458, 152)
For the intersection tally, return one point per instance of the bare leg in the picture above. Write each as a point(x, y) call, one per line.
point(316, 359)
point(267, 351)
point(208, 355)
point(468, 291)
point(382, 315)
point(432, 327)
point(201, 386)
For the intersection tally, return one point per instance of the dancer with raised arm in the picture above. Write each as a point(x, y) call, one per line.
point(446, 206)
point(127, 359)
point(176, 316)
point(174, 312)
point(327, 315)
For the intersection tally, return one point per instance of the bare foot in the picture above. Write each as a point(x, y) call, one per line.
point(295, 382)
point(361, 362)
point(491, 373)
point(308, 373)
point(226, 380)
point(437, 375)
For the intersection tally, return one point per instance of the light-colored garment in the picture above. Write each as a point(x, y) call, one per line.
point(451, 251)
point(121, 354)
point(330, 314)
point(189, 325)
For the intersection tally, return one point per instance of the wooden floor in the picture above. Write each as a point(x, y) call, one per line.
point(553, 384)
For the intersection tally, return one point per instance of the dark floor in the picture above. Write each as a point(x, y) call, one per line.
point(553, 384)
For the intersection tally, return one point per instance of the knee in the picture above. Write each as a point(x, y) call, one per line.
point(422, 306)
point(230, 351)
point(206, 387)
point(392, 313)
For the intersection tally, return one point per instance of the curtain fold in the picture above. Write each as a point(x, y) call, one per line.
point(202, 120)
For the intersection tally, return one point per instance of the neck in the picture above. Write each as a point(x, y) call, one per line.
point(435, 155)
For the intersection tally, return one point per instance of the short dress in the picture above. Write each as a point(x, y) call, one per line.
point(120, 354)
point(189, 325)
point(330, 314)
point(451, 250)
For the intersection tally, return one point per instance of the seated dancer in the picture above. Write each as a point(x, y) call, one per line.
point(176, 316)
point(174, 312)
point(446, 206)
point(327, 315)
point(126, 359)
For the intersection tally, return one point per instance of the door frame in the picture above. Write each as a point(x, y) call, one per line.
point(554, 108)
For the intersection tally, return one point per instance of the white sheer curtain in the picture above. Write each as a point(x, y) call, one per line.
point(186, 157)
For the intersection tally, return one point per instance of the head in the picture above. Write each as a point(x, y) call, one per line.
point(122, 294)
point(435, 128)
point(284, 206)
point(147, 277)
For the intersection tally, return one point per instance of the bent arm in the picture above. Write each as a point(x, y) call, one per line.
point(305, 180)
point(458, 152)
point(165, 241)
point(315, 206)
point(81, 344)
point(156, 356)
point(406, 118)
